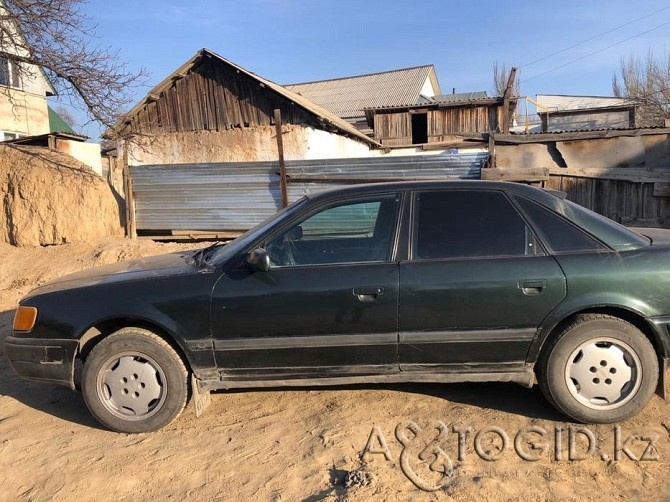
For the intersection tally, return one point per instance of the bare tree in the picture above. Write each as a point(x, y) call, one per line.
point(59, 38)
point(67, 117)
point(647, 82)
point(500, 78)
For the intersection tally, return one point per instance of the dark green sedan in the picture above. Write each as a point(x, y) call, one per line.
point(397, 282)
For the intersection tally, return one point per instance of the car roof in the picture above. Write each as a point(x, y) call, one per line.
point(374, 188)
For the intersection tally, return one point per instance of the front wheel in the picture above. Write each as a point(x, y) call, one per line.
point(134, 381)
point(599, 369)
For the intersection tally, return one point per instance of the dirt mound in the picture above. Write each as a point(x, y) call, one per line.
point(22, 269)
point(47, 197)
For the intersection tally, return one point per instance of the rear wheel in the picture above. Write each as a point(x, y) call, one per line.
point(134, 381)
point(599, 369)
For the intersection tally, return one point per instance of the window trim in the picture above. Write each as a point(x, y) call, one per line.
point(17, 135)
point(397, 195)
point(413, 228)
point(12, 71)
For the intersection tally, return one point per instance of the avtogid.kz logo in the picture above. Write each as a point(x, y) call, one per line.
point(426, 463)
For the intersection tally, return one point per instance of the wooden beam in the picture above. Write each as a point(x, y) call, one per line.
point(661, 190)
point(441, 145)
point(517, 139)
point(131, 230)
point(516, 174)
point(282, 166)
point(632, 174)
point(506, 101)
point(207, 234)
point(492, 150)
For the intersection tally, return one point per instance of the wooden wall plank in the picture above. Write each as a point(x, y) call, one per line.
point(214, 97)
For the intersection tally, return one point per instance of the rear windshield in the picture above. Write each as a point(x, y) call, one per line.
point(611, 233)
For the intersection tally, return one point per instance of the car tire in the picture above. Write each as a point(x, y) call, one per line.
point(134, 381)
point(598, 369)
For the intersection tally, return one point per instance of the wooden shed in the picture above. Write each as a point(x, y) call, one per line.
point(437, 120)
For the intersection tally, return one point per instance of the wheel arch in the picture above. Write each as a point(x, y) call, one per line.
point(102, 329)
point(625, 314)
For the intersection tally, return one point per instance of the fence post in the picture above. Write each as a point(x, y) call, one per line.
point(280, 150)
point(131, 230)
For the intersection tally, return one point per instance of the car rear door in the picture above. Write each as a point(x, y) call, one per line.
point(477, 283)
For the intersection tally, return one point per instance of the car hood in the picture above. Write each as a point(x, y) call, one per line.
point(131, 270)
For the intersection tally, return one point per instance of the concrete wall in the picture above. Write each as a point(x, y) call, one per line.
point(23, 112)
point(251, 144)
point(648, 151)
point(23, 108)
point(86, 153)
point(588, 120)
point(626, 178)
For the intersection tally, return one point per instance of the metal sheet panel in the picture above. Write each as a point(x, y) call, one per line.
point(226, 196)
point(237, 196)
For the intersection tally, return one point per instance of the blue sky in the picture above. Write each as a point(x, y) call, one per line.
point(291, 41)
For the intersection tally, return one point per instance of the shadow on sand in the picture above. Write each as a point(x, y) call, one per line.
point(55, 400)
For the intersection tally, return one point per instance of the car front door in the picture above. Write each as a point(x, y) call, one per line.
point(326, 307)
point(477, 284)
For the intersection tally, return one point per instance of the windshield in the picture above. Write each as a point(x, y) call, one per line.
point(235, 246)
point(611, 233)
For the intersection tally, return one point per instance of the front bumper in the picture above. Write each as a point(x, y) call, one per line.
point(46, 360)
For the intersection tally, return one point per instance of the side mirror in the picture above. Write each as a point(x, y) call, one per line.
point(259, 259)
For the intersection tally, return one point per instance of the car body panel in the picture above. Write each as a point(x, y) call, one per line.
point(474, 311)
point(306, 317)
point(176, 301)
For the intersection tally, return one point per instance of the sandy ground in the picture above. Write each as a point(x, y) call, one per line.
point(307, 444)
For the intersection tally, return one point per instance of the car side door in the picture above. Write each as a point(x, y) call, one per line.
point(327, 306)
point(477, 284)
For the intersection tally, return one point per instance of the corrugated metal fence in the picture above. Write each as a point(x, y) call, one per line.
point(236, 195)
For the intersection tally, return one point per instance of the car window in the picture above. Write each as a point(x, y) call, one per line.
point(468, 224)
point(615, 235)
point(349, 232)
point(353, 220)
point(559, 234)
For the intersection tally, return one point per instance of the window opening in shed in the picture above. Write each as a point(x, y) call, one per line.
point(419, 128)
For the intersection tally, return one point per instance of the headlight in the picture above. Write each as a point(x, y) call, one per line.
point(25, 318)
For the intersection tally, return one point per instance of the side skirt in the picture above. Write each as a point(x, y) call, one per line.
point(523, 376)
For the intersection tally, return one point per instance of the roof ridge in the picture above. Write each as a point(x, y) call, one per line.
point(362, 75)
point(582, 96)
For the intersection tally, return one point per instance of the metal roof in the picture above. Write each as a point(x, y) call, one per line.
point(325, 115)
point(347, 97)
point(459, 96)
point(427, 103)
point(43, 139)
point(557, 102)
point(57, 124)
point(648, 130)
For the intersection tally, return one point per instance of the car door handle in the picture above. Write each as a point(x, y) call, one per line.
point(369, 294)
point(533, 287)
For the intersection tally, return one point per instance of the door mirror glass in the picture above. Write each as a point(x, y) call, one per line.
point(258, 259)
